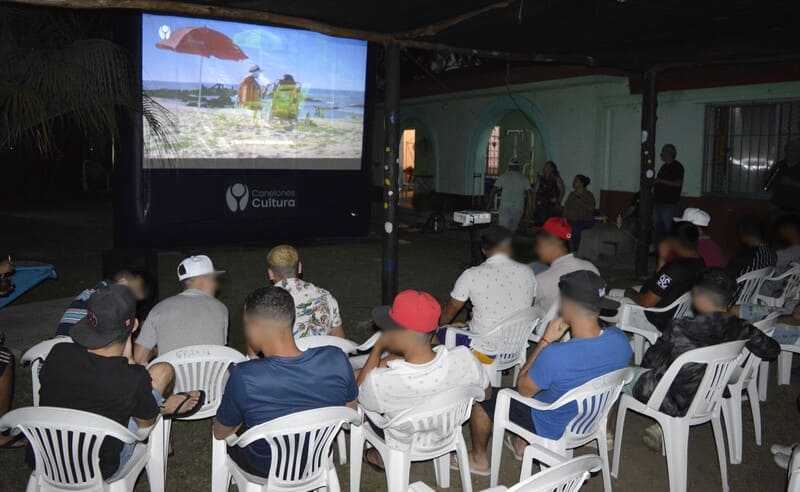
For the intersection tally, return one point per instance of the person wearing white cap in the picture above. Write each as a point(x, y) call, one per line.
point(708, 250)
point(193, 317)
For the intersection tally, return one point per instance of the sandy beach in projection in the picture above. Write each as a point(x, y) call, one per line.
point(221, 133)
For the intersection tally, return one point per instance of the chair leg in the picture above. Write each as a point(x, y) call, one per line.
point(356, 452)
point(732, 413)
point(463, 464)
point(785, 367)
point(638, 349)
point(220, 477)
point(716, 424)
point(333, 481)
point(621, 411)
point(526, 470)
point(398, 469)
point(676, 442)
point(755, 409)
point(602, 449)
point(441, 469)
point(516, 374)
point(763, 380)
point(342, 447)
point(497, 453)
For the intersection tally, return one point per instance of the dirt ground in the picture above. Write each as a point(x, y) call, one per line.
point(74, 237)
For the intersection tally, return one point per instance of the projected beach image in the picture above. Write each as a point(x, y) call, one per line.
point(241, 95)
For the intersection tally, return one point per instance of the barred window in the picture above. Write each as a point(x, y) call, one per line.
point(493, 152)
point(743, 141)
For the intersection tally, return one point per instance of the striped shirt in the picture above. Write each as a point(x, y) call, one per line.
point(750, 260)
point(77, 309)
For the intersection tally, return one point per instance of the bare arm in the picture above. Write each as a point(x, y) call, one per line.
point(555, 330)
point(646, 299)
point(450, 310)
point(145, 423)
point(141, 355)
point(373, 361)
point(223, 431)
point(338, 331)
point(677, 183)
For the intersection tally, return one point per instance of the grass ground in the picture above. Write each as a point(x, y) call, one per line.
point(74, 237)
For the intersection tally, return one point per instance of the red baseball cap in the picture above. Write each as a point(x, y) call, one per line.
point(411, 310)
point(558, 227)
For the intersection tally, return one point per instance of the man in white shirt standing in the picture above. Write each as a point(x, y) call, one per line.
point(498, 288)
point(414, 371)
point(552, 248)
point(193, 317)
point(515, 199)
point(316, 310)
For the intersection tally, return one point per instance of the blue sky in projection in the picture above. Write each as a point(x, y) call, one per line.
point(315, 60)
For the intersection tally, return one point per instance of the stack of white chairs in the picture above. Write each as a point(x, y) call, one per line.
point(300, 451)
point(720, 362)
point(643, 332)
point(433, 431)
point(198, 367)
point(66, 446)
point(594, 400)
point(750, 284)
point(511, 336)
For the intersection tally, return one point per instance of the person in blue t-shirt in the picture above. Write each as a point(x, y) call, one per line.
point(284, 381)
point(555, 368)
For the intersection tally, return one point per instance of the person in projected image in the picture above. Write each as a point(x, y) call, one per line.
point(252, 90)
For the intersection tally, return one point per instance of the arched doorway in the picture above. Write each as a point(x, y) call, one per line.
point(417, 160)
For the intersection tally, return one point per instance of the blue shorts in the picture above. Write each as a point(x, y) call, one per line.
point(127, 448)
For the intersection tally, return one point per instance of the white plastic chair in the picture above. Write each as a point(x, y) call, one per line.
point(720, 361)
point(744, 378)
point(566, 476)
point(541, 326)
point(794, 471)
point(358, 361)
point(199, 367)
point(34, 357)
point(511, 337)
point(434, 430)
point(750, 284)
point(346, 346)
point(785, 362)
point(645, 331)
point(767, 325)
point(790, 289)
point(66, 445)
point(594, 400)
point(300, 450)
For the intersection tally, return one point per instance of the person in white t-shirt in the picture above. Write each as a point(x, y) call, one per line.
point(515, 199)
point(415, 370)
point(552, 248)
point(498, 288)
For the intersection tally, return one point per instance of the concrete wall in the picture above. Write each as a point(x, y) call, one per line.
point(588, 125)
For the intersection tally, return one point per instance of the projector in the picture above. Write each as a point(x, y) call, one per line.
point(472, 217)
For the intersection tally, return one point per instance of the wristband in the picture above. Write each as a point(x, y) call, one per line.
point(543, 339)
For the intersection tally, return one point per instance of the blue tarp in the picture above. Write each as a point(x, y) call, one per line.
point(26, 277)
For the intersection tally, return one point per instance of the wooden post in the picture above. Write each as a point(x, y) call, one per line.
point(648, 170)
point(391, 133)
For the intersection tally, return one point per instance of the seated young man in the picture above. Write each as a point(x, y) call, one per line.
point(674, 277)
point(707, 248)
point(754, 253)
point(787, 254)
point(415, 370)
point(193, 317)
point(712, 325)
point(76, 310)
point(283, 382)
point(497, 288)
point(316, 310)
point(555, 368)
point(97, 374)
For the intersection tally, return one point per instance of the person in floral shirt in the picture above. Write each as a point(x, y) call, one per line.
point(317, 312)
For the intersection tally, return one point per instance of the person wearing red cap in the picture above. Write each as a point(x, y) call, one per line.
point(415, 370)
point(553, 248)
point(497, 288)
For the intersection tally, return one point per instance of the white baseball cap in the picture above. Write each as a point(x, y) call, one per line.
point(696, 216)
point(195, 266)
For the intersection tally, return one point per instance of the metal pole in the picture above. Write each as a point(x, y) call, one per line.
point(648, 171)
point(391, 133)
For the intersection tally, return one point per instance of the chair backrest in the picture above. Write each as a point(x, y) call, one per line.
point(433, 425)
point(750, 283)
point(679, 308)
point(66, 444)
point(720, 361)
point(745, 370)
point(346, 346)
point(202, 367)
point(300, 445)
point(35, 357)
point(511, 337)
point(594, 400)
point(791, 286)
point(568, 476)
point(682, 305)
point(767, 325)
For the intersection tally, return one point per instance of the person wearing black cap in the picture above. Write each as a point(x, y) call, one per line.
point(555, 368)
point(97, 374)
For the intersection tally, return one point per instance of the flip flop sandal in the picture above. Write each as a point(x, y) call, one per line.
point(177, 414)
point(372, 465)
point(509, 444)
point(480, 473)
point(16, 442)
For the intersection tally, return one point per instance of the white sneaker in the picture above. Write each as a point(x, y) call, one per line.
point(782, 460)
point(782, 449)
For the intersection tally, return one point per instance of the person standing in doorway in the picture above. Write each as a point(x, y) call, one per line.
point(515, 198)
point(667, 193)
point(579, 209)
point(549, 193)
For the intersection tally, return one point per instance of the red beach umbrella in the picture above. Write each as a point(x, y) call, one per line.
point(205, 43)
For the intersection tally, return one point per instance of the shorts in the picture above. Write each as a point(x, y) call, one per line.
point(464, 341)
point(637, 373)
point(127, 448)
point(755, 312)
point(518, 413)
